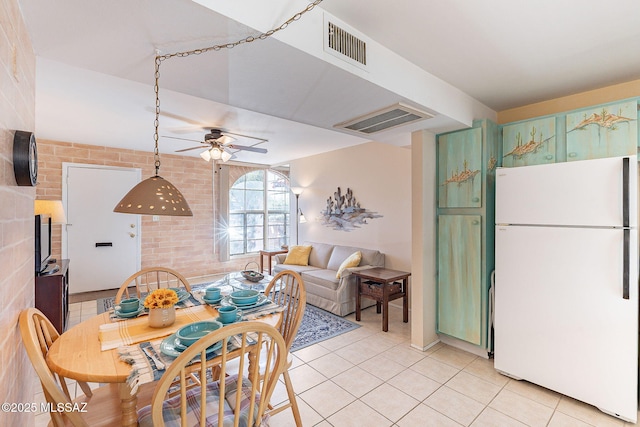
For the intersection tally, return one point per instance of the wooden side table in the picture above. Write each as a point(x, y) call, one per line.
point(270, 254)
point(381, 285)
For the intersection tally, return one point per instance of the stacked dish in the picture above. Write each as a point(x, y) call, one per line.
point(129, 314)
point(228, 300)
point(176, 343)
point(214, 300)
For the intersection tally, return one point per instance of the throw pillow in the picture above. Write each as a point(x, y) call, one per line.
point(352, 261)
point(298, 255)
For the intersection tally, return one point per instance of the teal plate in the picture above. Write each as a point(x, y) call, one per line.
point(130, 314)
point(169, 348)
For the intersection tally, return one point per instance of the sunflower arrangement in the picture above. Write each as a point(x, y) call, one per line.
point(161, 298)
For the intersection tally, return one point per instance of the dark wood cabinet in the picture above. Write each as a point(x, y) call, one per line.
point(52, 295)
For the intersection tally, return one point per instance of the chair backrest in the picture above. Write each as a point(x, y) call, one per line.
point(287, 289)
point(218, 400)
point(38, 333)
point(152, 278)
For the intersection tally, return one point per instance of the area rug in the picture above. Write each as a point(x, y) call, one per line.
point(317, 324)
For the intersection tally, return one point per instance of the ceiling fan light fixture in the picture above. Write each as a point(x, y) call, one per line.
point(225, 156)
point(205, 155)
point(216, 154)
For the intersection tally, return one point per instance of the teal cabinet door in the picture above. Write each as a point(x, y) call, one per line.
point(460, 169)
point(459, 277)
point(529, 143)
point(605, 131)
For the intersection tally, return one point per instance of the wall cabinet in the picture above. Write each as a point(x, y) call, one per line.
point(529, 143)
point(52, 296)
point(606, 130)
point(602, 131)
point(465, 240)
point(459, 277)
point(459, 165)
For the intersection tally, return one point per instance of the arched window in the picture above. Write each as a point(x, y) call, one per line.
point(258, 212)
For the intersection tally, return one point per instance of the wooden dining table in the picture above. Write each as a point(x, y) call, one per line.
point(77, 355)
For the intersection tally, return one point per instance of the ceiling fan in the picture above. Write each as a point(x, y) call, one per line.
point(220, 142)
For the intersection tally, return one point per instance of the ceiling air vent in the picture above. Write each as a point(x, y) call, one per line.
point(392, 116)
point(343, 42)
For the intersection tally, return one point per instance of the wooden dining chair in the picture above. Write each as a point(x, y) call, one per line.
point(103, 404)
point(233, 399)
point(287, 289)
point(149, 279)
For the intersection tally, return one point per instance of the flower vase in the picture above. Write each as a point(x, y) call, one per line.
point(161, 317)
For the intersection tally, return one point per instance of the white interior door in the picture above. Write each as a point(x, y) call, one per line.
point(102, 246)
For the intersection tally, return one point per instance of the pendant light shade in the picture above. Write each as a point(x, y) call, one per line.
point(154, 196)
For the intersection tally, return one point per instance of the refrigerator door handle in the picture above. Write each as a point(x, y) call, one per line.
point(626, 265)
point(625, 192)
point(625, 224)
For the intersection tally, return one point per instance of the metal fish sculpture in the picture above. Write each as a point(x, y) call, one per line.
point(530, 147)
point(463, 176)
point(604, 120)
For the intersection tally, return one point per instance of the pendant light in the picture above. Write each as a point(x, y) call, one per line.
point(155, 195)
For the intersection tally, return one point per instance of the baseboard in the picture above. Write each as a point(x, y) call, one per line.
point(463, 345)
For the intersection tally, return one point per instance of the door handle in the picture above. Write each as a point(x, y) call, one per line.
point(625, 262)
point(625, 192)
point(103, 244)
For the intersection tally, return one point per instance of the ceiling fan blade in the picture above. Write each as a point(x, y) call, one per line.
point(245, 136)
point(225, 140)
point(189, 149)
point(247, 148)
point(182, 139)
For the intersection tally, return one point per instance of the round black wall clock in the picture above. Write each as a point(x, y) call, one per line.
point(25, 158)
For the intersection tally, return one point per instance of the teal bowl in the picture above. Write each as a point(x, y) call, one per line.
point(193, 332)
point(245, 297)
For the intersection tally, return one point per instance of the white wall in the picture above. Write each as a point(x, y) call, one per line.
point(380, 177)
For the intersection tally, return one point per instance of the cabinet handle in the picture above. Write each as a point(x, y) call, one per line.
point(548, 157)
point(475, 199)
point(572, 154)
point(475, 222)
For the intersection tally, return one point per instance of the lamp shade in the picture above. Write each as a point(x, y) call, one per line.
point(51, 207)
point(154, 196)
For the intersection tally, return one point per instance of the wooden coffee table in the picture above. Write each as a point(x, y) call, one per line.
point(382, 285)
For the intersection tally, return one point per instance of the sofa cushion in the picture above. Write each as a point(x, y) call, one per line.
point(324, 278)
point(297, 268)
point(340, 253)
point(352, 260)
point(320, 253)
point(298, 255)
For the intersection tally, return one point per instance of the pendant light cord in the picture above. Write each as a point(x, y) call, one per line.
point(249, 39)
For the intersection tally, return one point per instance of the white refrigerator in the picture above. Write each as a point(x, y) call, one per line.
point(566, 280)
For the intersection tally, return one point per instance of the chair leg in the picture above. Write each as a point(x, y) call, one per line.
point(292, 398)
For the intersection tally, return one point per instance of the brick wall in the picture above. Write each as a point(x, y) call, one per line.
point(185, 244)
point(17, 112)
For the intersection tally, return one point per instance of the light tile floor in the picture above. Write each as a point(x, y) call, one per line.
point(370, 378)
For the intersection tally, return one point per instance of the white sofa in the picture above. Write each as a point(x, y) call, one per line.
point(324, 290)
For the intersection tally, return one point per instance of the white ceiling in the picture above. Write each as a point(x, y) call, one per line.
point(458, 59)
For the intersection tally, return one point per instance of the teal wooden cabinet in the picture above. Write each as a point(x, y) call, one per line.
point(603, 131)
point(529, 143)
point(459, 277)
point(459, 169)
point(466, 162)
